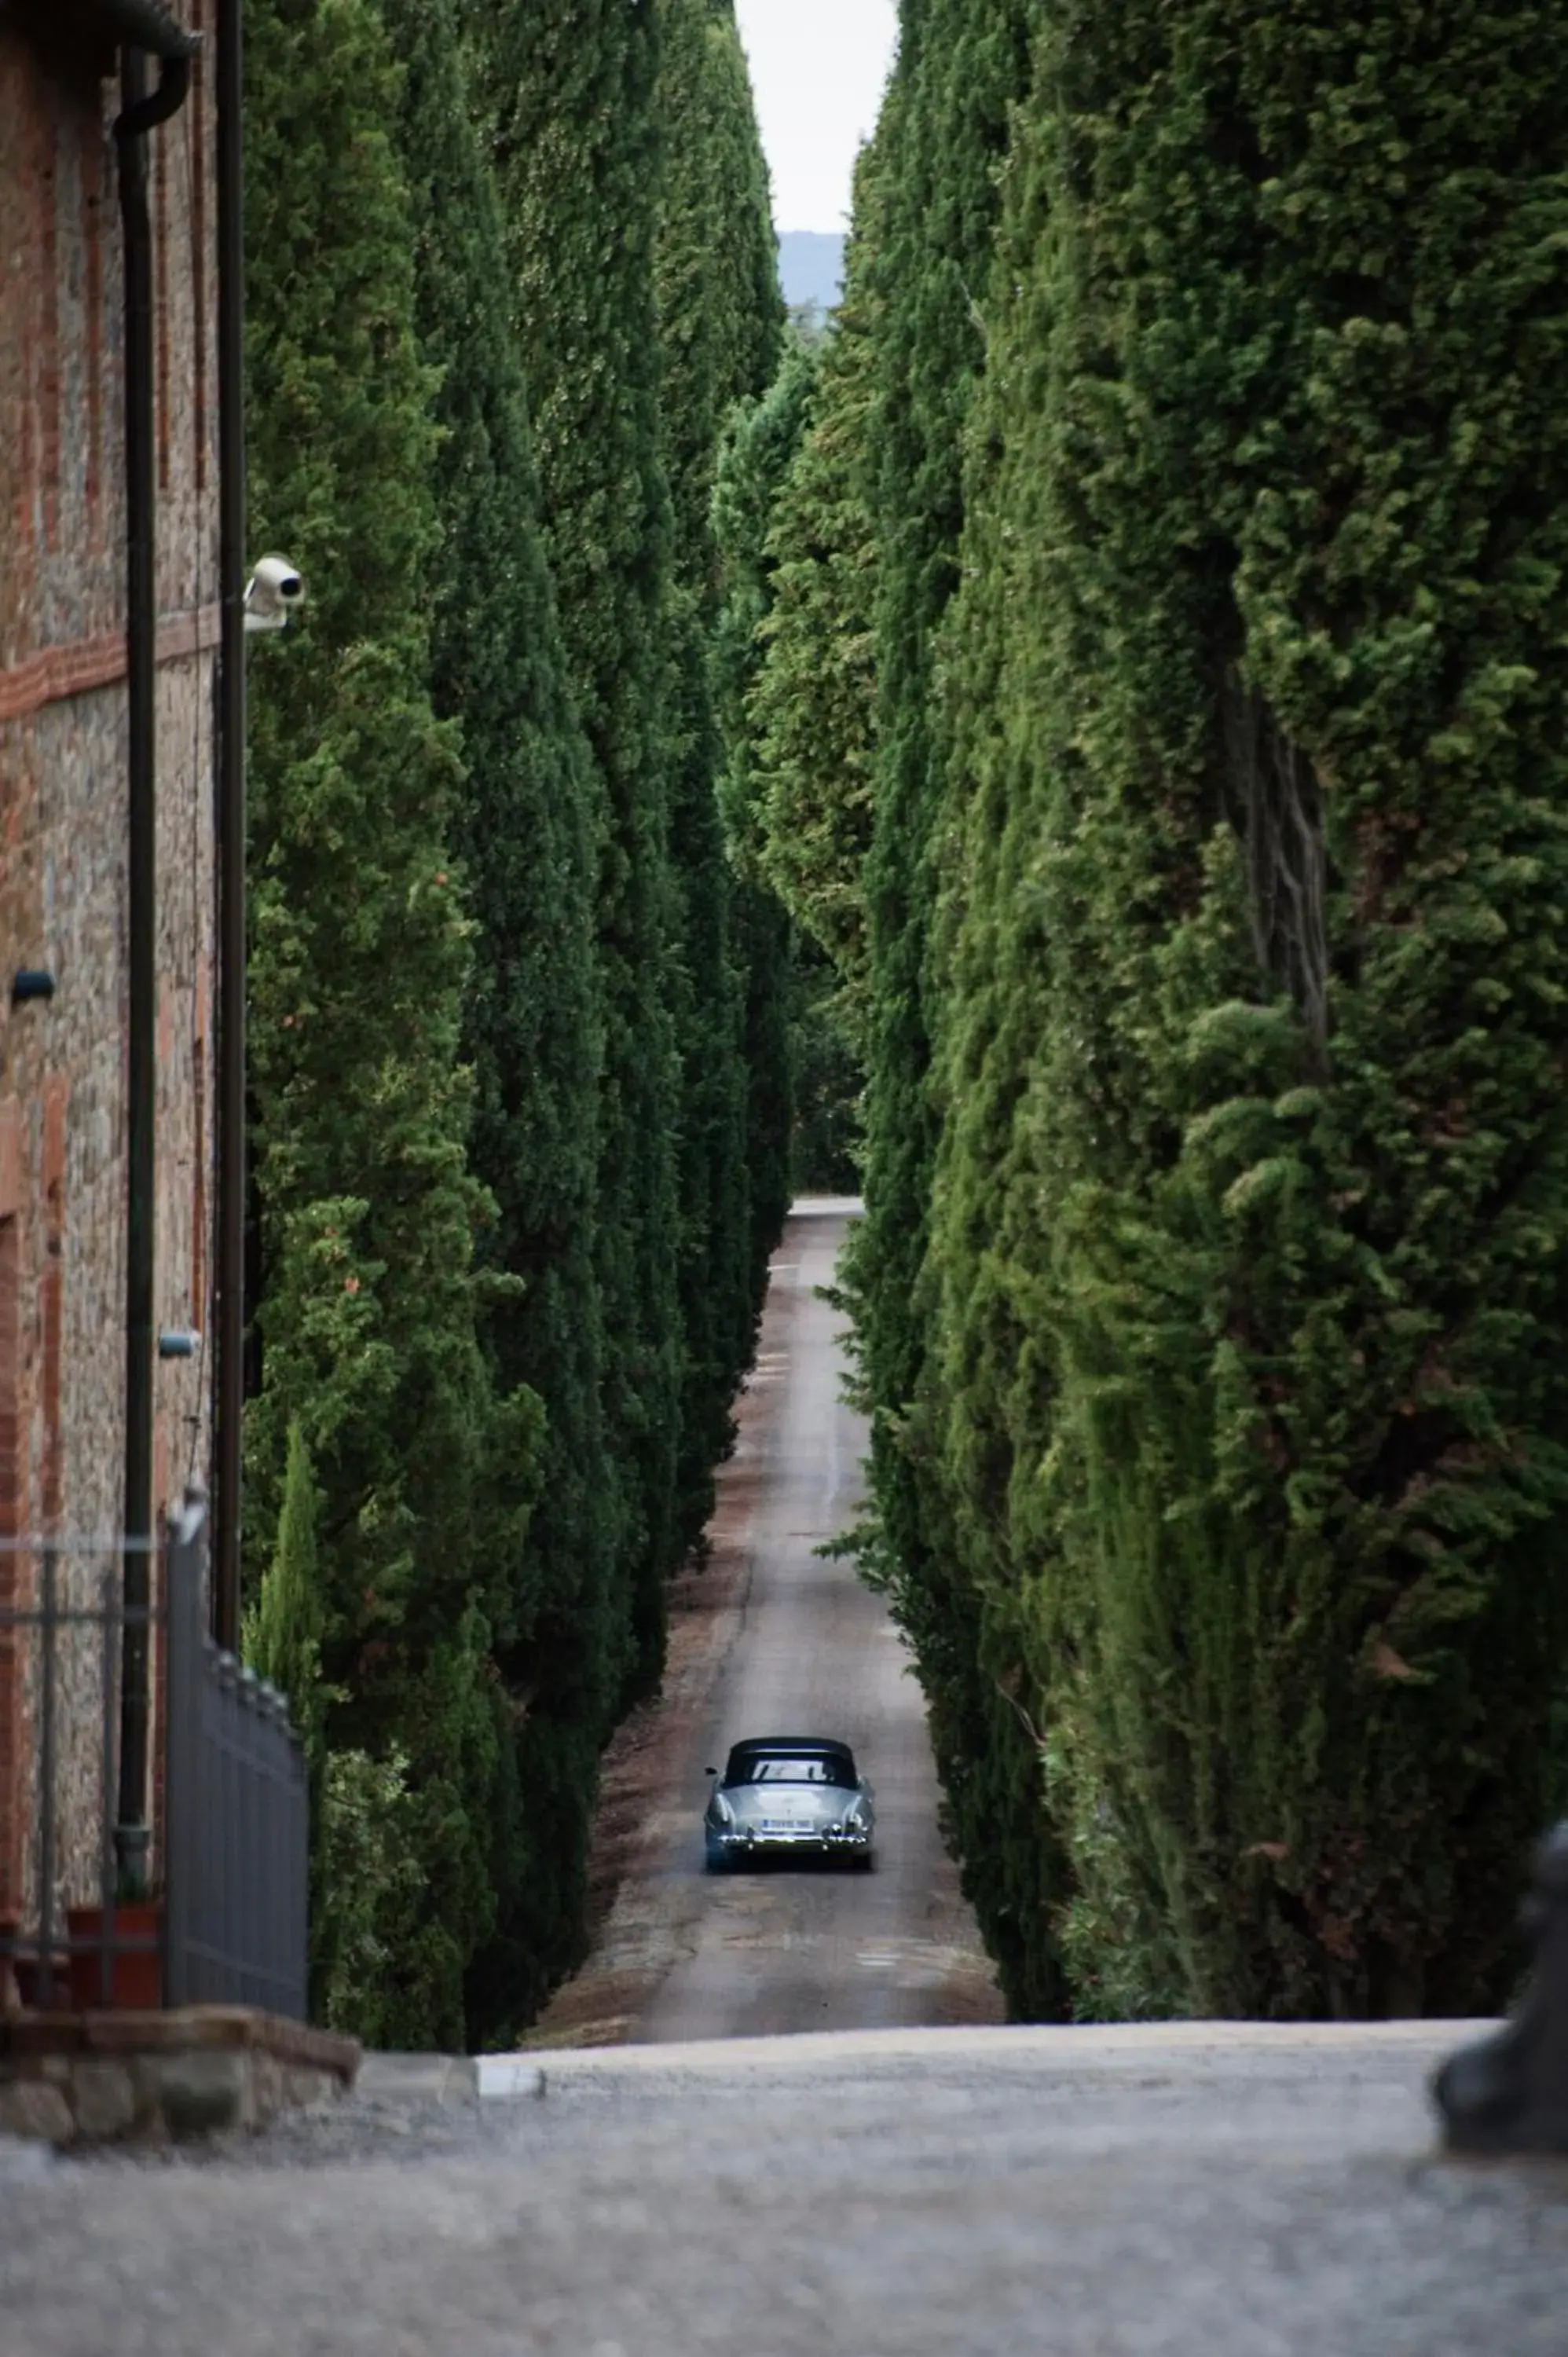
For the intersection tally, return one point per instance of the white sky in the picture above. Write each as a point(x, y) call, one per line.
point(818, 69)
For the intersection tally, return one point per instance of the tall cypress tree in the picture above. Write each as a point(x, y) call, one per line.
point(1253, 1405)
point(756, 452)
point(759, 443)
point(282, 1637)
point(367, 1312)
point(571, 93)
point(525, 823)
point(721, 314)
point(720, 320)
point(942, 135)
point(808, 707)
point(796, 660)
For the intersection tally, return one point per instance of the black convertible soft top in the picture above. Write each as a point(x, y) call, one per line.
point(744, 1757)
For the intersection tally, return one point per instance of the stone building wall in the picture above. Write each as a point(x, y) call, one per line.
point(63, 819)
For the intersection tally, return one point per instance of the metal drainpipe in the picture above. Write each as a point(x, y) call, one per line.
point(141, 112)
point(228, 1402)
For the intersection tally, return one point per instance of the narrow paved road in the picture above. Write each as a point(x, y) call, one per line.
point(788, 1642)
point(816, 1654)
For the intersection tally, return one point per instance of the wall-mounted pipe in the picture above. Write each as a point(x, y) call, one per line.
point(229, 1401)
point(141, 112)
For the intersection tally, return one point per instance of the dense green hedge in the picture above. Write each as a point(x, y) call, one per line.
point(366, 1321)
point(721, 319)
point(757, 445)
point(929, 209)
point(515, 1039)
point(1212, 1296)
point(1266, 854)
point(526, 829)
point(1191, 438)
point(574, 95)
point(804, 809)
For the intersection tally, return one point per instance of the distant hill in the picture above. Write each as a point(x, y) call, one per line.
point(811, 267)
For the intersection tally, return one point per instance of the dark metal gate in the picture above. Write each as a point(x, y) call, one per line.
point(237, 1818)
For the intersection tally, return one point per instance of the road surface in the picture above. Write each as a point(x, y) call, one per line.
point(788, 1642)
point(1193, 2191)
point(816, 1654)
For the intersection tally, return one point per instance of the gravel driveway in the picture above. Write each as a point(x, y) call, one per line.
point(1159, 2192)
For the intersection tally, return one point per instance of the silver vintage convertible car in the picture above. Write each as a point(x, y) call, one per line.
point(791, 1796)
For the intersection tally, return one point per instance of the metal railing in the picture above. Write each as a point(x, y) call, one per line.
point(58, 1762)
point(230, 1865)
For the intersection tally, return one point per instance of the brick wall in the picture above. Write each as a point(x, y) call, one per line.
point(62, 854)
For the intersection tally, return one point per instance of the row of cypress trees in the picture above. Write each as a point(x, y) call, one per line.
point(515, 1121)
point(1202, 480)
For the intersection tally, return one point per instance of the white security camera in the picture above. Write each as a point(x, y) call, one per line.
point(271, 593)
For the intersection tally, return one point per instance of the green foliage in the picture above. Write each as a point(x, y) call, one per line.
point(282, 1630)
point(810, 704)
point(367, 1313)
point(827, 1079)
point(806, 1128)
point(720, 323)
point(520, 1037)
point(1245, 1381)
point(755, 452)
point(367, 1921)
point(758, 440)
point(797, 784)
point(572, 96)
point(926, 209)
point(526, 822)
point(380, 1971)
point(721, 314)
point(1209, 1298)
point(764, 953)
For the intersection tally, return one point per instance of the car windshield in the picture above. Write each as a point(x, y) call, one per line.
point(786, 1768)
